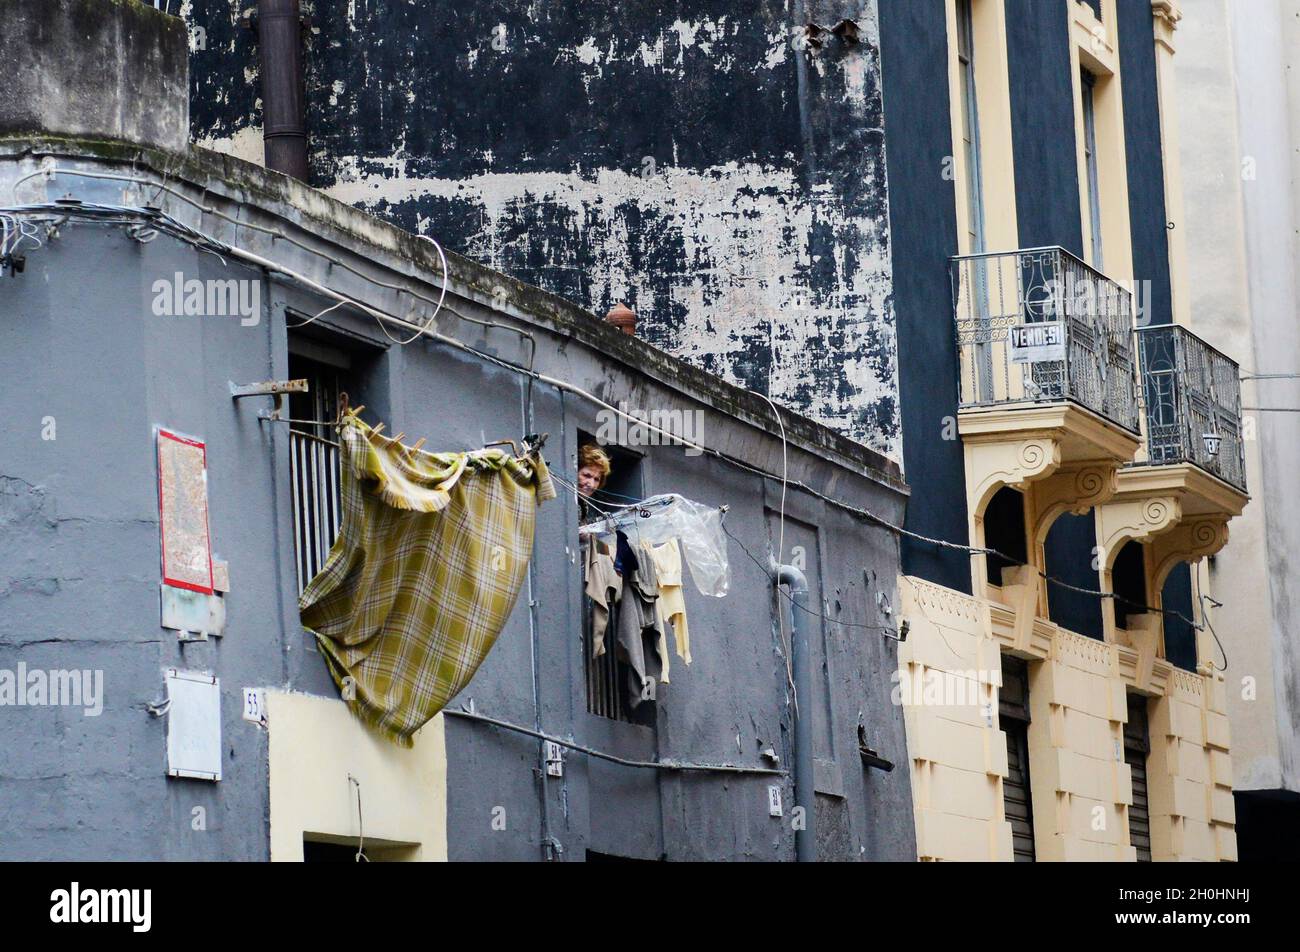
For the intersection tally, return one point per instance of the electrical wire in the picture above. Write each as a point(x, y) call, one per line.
point(787, 644)
point(612, 758)
point(205, 242)
point(805, 608)
point(1201, 599)
point(361, 830)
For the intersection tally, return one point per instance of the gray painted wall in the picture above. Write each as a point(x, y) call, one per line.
point(79, 568)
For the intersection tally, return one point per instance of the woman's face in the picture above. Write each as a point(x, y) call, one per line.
point(588, 480)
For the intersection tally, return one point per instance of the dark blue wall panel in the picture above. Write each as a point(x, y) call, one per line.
point(1180, 636)
point(1147, 220)
point(1146, 173)
point(918, 139)
point(1042, 124)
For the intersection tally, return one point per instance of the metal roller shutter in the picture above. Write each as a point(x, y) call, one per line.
point(1013, 715)
point(1137, 745)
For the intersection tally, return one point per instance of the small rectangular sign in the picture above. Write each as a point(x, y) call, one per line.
point(1035, 343)
point(183, 512)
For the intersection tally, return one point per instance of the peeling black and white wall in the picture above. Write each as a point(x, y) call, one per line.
point(718, 166)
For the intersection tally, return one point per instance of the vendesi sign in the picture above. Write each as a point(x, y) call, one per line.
point(1035, 343)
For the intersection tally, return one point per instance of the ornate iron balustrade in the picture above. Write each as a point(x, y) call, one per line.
point(1039, 325)
point(1193, 403)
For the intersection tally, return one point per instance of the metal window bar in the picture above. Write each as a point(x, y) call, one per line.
point(317, 506)
point(315, 475)
point(996, 291)
point(1193, 403)
point(605, 676)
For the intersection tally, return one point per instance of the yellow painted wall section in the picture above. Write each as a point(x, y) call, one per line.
point(1189, 775)
point(1080, 786)
point(958, 753)
point(316, 744)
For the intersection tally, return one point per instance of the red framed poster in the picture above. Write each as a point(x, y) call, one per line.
point(183, 512)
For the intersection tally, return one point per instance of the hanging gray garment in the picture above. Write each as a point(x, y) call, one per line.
point(603, 587)
point(639, 634)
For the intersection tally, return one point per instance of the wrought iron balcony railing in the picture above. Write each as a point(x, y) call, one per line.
point(1040, 325)
point(1193, 403)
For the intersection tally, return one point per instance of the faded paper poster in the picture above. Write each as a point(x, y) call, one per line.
point(183, 512)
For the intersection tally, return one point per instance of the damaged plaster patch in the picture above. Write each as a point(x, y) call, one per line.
point(246, 144)
point(738, 268)
point(23, 504)
point(666, 51)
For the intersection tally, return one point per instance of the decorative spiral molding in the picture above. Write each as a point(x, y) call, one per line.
point(1139, 519)
point(1093, 481)
point(992, 465)
point(1206, 534)
point(1187, 543)
point(1034, 455)
point(1158, 511)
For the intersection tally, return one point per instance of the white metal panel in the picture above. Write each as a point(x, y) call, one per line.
point(193, 725)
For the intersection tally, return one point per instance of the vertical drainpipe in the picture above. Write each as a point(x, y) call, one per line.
point(805, 839)
point(279, 34)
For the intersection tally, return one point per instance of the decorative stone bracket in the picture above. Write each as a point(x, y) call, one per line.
point(1062, 457)
point(1179, 513)
point(1132, 519)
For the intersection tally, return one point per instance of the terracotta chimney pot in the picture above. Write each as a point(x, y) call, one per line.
point(622, 317)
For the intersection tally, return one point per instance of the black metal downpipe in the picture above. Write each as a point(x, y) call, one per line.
point(284, 123)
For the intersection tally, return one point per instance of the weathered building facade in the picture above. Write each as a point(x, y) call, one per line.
point(101, 207)
point(943, 236)
point(714, 165)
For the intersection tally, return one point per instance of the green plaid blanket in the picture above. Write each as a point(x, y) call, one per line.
point(427, 567)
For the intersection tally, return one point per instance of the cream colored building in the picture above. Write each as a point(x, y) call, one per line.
point(1072, 745)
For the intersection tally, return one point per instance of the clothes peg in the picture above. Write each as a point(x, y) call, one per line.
point(398, 437)
point(418, 443)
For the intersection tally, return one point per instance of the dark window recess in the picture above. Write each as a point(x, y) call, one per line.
point(1180, 636)
point(1004, 530)
point(1070, 558)
point(314, 464)
point(313, 852)
point(608, 676)
point(1095, 5)
point(331, 365)
point(344, 850)
point(1128, 577)
point(1137, 746)
point(1013, 716)
point(1088, 85)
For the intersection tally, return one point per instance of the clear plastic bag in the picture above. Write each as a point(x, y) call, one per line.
point(697, 527)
